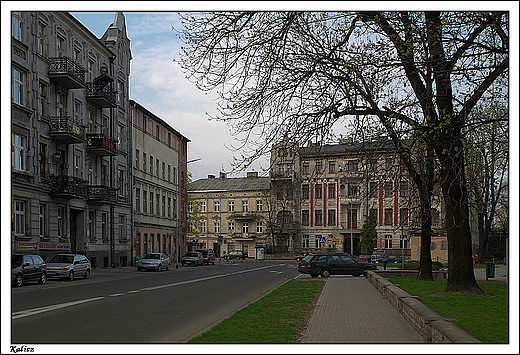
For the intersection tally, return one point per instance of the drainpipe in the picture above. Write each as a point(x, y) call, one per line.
point(112, 241)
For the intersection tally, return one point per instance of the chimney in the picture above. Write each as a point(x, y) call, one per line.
point(222, 175)
point(211, 176)
point(252, 174)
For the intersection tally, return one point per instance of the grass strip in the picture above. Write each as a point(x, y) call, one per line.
point(278, 317)
point(483, 316)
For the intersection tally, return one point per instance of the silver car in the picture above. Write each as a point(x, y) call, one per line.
point(192, 258)
point(68, 266)
point(155, 261)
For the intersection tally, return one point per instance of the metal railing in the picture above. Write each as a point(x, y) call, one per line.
point(101, 193)
point(66, 65)
point(67, 124)
point(95, 91)
point(99, 140)
point(69, 185)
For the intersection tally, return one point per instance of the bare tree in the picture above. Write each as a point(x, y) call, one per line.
point(298, 74)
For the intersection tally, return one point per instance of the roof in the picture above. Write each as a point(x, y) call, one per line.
point(377, 146)
point(230, 184)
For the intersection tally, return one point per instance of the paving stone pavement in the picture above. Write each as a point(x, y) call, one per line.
point(351, 310)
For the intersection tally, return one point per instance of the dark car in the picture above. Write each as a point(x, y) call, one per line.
point(208, 255)
point(192, 258)
point(27, 268)
point(333, 264)
point(237, 254)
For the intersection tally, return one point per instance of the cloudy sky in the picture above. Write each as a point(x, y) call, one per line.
point(158, 83)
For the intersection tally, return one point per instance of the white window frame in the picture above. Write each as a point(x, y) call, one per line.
point(42, 220)
point(231, 206)
point(60, 214)
point(245, 206)
point(19, 216)
point(18, 86)
point(17, 23)
point(259, 205)
point(260, 227)
point(19, 158)
point(216, 206)
point(245, 227)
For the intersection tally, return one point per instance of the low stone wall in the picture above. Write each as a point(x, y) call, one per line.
point(439, 274)
point(433, 327)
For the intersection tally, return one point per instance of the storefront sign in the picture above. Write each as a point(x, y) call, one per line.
point(55, 246)
point(27, 246)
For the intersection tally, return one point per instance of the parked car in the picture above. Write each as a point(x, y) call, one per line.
point(29, 267)
point(237, 254)
point(358, 257)
point(155, 261)
point(208, 255)
point(300, 257)
point(68, 266)
point(333, 264)
point(192, 258)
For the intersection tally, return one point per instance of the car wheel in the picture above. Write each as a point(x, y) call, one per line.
point(19, 280)
point(159, 268)
point(168, 267)
point(315, 275)
point(325, 273)
point(43, 278)
point(71, 275)
point(87, 274)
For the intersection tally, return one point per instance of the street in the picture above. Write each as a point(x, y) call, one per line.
point(126, 306)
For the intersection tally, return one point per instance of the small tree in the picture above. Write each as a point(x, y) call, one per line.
point(369, 234)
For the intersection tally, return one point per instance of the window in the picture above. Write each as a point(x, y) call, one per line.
point(259, 205)
point(216, 227)
point(151, 202)
point(78, 110)
point(403, 192)
point(231, 206)
point(388, 241)
point(77, 165)
point(145, 204)
point(60, 45)
point(144, 161)
point(169, 207)
point(352, 165)
point(91, 225)
point(19, 152)
point(19, 217)
point(305, 218)
point(318, 193)
point(169, 139)
point(284, 217)
point(319, 166)
point(318, 217)
point(42, 95)
point(403, 243)
point(231, 227)
point(90, 70)
point(245, 206)
point(245, 227)
point(389, 216)
point(353, 189)
point(157, 131)
point(158, 204)
point(137, 200)
point(317, 238)
point(374, 190)
point(137, 158)
point(61, 104)
point(120, 92)
point(202, 206)
point(260, 227)
point(164, 206)
point(332, 166)
point(121, 182)
point(216, 206)
point(203, 226)
point(305, 241)
point(18, 87)
point(305, 167)
point(331, 220)
point(122, 227)
point(151, 165)
point(17, 25)
point(352, 219)
point(388, 189)
point(157, 167)
point(403, 216)
point(61, 218)
point(332, 191)
point(42, 218)
point(305, 191)
point(169, 172)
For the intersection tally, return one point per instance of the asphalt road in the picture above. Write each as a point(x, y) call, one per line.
point(124, 306)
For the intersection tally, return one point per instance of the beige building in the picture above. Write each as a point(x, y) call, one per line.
point(233, 213)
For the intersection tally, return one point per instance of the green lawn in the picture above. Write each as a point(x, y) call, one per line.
point(484, 317)
point(279, 317)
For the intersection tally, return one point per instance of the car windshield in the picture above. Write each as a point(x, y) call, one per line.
point(152, 256)
point(308, 258)
point(192, 254)
point(62, 259)
point(16, 260)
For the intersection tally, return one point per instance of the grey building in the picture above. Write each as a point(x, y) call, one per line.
point(71, 158)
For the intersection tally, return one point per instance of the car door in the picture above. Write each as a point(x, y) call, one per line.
point(336, 265)
point(349, 265)
point(39, 265)
point(28, 268)
point(79, 269)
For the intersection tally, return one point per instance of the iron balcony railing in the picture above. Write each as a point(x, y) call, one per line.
point(100, 144)
point(102, 94)
point(67, 66)
point(68, 185)
point(67, 127)
point(101, 193)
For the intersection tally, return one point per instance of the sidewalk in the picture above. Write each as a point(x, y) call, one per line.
point(501, 274)
point(351, 310)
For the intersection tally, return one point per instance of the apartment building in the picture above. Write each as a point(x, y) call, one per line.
point(334, 189)
point(233, 213)
point(159, 184)
point(71, 146)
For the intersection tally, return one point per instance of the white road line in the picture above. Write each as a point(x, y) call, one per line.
point(31, 312)
point(116, 294)
point(134, 291)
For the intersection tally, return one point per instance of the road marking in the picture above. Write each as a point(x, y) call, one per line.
point(31, 312)
point(134, 291)
point(116, 294)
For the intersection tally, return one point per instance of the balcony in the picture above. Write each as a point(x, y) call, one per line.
point(68, 186)
point(243, 216)
point(101, 194)
point(100, 145)
point(67, 130)
point(67, 73)
point(101, 95)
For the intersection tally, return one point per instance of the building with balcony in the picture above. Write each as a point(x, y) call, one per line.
point(159, 184)
point(71, 155)
point(232, 213)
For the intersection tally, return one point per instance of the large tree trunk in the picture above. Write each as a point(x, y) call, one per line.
point(425, 263)
point(453, 184)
